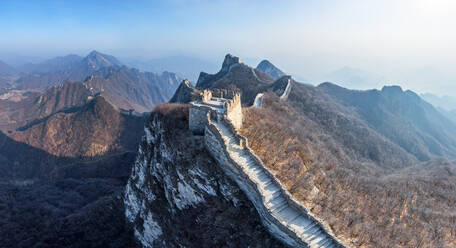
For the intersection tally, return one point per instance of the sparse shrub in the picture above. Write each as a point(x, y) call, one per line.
point(369, 191)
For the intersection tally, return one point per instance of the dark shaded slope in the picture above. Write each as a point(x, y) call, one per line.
point(20, 161)
point(64, 213)
point(73, 201)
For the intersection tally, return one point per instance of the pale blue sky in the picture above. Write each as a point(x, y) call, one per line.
point(407, 42)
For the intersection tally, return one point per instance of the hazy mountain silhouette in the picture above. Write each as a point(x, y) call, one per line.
point(6, 70)
point(354, 78)
point(125, 87)
point(270, 69)
point(445, 102)
point(184, 66)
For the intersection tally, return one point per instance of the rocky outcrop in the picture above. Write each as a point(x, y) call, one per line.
point(229, 61)
point(177, 196)
point(205, 79)
point(185, 93)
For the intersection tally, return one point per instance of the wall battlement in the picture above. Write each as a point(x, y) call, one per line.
point(225, 103)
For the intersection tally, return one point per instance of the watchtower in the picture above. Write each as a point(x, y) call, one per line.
point(225, 103)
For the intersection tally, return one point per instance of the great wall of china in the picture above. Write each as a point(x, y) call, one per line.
point(218, 115)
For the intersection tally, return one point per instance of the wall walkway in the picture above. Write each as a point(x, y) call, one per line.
point(281, 214)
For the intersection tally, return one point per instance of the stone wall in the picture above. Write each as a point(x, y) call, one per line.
point(197, 118)
point(216, 145)
point(206, 96)
point(234, 111)
point(224, 93)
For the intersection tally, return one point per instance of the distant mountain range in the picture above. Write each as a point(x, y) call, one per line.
point(354, 78)
point(61, 69)
point(92, 62)
point(6, 70)
point(445, 102)
point(125, 87)
point(184, 66)
point(403, 117)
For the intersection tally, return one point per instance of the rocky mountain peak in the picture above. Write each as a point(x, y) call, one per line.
point(97, 60)
point(392, 89)
point(270, 69)
point(229, 61)
point(184, 93)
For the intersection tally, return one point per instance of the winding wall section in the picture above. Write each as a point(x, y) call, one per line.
point(280, 213)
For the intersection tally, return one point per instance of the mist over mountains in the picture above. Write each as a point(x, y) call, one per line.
point(184, 66)
point(75, 126)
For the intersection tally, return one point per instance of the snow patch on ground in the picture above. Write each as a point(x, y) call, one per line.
point(200, 179)
point(186, 197)
point(152, 230)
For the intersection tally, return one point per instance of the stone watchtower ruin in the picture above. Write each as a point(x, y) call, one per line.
point(223, 103)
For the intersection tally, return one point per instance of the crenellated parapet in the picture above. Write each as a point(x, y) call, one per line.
point(206, 96)
point(225, 103)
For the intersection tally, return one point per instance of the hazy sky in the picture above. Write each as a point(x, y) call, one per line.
point(405, 42)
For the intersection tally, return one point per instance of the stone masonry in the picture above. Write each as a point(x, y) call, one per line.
point(225, 103)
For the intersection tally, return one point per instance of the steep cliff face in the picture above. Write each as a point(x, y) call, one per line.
point(177, 195)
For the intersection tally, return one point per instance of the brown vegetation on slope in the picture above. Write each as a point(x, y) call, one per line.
point(96, 129)
point(370, 191)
